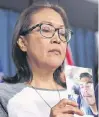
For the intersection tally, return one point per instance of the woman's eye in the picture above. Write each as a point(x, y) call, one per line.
point(46, 29)
point(38, 29)
point(62, 32)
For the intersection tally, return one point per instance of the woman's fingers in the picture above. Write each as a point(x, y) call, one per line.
point(71, 110)
point(57, 113)
point(65, 107)
point(65, 115)
point(65, 102)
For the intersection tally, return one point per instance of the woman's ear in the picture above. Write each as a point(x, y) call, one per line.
point(22, 43)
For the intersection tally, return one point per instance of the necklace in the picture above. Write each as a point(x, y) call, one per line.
point(44, 99)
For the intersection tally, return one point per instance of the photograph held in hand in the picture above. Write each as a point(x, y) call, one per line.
point(80, 88)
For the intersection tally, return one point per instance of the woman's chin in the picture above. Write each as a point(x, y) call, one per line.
point(54, 64)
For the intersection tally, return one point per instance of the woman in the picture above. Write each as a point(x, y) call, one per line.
point(39, 46)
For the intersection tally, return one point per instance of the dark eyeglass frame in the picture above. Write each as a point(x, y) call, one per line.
point(25, 32)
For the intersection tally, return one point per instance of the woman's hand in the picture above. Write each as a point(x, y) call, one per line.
point(65, 108)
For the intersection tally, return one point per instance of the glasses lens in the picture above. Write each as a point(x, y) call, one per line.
point(47, 30)
point(65, 35)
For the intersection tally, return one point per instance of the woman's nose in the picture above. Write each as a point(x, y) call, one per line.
point(55, 38)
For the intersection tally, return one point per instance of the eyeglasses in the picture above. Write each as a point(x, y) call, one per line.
point(48, 31)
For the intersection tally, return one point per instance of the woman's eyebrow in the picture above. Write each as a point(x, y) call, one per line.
point(60, 26)
point(46, 22)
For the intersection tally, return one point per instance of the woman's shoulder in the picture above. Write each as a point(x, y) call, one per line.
point(8, 89)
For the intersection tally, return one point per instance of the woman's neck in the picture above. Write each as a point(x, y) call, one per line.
point(44, 81)
point(43, 77)
point(45, 85)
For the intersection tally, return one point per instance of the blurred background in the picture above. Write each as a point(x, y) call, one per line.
point(83, 18)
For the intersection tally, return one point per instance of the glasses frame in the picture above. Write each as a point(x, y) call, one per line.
point(25, 32)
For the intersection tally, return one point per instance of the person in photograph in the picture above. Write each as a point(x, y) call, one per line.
point(86, 100)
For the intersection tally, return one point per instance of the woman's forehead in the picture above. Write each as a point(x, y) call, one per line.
point(47, 15)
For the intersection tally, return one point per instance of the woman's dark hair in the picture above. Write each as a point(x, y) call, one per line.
point(23, 72)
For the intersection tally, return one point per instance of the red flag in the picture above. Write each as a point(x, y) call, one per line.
point(69, 59)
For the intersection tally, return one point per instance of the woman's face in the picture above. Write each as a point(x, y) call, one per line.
point(42, 51)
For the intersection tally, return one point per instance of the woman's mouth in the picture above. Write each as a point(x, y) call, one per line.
point(55, 51)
